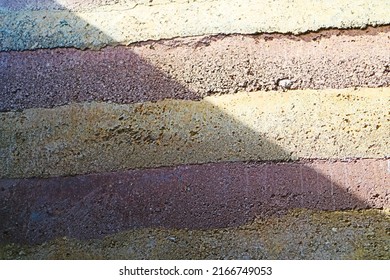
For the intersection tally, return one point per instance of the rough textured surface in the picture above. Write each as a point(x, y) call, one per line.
point(298, 235)
point(98, 137)
point(195, 67)
point(82, 5)
point(75, 5)
point(123, 23)
point(194, 211)
point(195, 196)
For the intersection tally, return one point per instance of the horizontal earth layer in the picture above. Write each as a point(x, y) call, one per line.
point(215, 195)
point(193, 68)
point(300, 234)
point(26, 25)
point(257, 126)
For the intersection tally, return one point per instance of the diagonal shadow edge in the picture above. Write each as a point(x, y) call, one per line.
point(95, 205)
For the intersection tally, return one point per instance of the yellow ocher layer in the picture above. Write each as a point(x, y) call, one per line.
point(300, 234)
point(98, 137)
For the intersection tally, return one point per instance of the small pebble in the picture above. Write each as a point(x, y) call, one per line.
point(172, 238)
point(285, 83)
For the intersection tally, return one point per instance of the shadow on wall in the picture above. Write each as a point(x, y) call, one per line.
point(188, 196)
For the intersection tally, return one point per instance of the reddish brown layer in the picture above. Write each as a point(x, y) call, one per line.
point(195, 67)
point(197, 196)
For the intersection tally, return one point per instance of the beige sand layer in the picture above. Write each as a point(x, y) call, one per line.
point(96, 26)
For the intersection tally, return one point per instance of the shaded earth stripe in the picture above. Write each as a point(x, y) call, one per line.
point(279, 126)
point(195, 67)
point(121, 24)
point(192, 197)
point(75, 5)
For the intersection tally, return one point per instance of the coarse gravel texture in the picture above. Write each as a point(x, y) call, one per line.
point(122, 23)
point(193, 68)
point(300, 234)
point(280, 126)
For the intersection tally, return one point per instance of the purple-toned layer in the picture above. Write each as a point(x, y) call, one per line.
point(196, 197)
point(195, 67)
